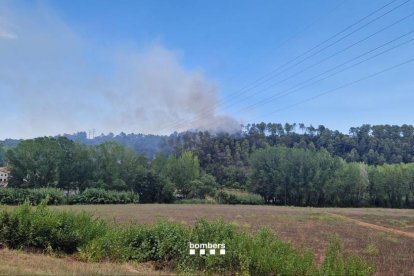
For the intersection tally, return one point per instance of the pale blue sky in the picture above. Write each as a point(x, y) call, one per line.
point(151, 66)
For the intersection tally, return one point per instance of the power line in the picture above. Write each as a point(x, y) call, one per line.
point(331, 56)
point(296, 34)
point(266, 78)
point(303, 84)
point(345, 85)
point(281, 94)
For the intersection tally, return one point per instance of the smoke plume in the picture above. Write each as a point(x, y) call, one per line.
point(52, 80)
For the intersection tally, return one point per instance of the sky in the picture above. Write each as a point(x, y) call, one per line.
point(160, 66)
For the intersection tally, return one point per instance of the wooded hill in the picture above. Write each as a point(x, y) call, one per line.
point(286, 164)
point(377, 144)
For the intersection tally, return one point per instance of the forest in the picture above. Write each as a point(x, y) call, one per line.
point(290, 164)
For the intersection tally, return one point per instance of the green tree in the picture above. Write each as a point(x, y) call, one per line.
point(353, 184)
point(182, 171)
point(35, 163)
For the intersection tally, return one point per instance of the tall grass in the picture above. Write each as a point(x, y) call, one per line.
point(167, 244)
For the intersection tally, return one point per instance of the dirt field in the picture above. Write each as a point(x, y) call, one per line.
point(382, 236)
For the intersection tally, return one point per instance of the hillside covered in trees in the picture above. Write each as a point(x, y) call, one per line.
point(290, 164)
point(374, 145)
point(227, 155)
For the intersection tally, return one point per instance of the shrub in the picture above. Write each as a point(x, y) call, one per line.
point(228, 196)
point(196, 201)
point(336, 264)
point(100, 196)
point(205, 186)
point(14, 196)
point(42, 228)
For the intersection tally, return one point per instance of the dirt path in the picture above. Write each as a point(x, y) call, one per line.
point(374, 226)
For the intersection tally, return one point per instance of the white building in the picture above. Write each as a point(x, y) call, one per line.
point(4, 176)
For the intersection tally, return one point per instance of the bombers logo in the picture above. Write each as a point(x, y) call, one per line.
point(209, 248)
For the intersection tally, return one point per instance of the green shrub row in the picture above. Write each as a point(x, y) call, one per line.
point(167, 244)
point(42, 228)
point(15, 196)
point(228, 196)
point(101, 196)
point(196, 201)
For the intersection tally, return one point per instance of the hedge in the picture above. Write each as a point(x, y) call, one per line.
point(15, 196)
point(229, 196)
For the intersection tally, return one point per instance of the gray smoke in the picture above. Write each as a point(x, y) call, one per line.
point(56, 81)
point(152, 91)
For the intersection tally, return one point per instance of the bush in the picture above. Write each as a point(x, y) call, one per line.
point(196, 201)
point(100, 196)
point(15, 196)
point(205, 186)
point(336, 264)
point(227, 196)
point(41, 228)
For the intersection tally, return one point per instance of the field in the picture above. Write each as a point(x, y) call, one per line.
point(22, 263)
point(384, 237)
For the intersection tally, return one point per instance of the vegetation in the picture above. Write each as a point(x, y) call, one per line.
point(371, 144)
point(2, 155)
point(12, 196)
point(100, 196)
point(61, 163)
point(15, 196)
point(304, 177)
point(315, 168)
point(303, 227)
point(226, 156)
point(166, 243)
point(229, 196)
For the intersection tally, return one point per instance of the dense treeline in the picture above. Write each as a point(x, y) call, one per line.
point(302, 177)
point(64, 164)
point(226, 156)
point(317, 167)
point(374, 145)
point(147, 144)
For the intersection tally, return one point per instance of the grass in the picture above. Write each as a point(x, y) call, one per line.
point(401, 219)
point(13, 262)
point(372, 249)
point(303, 227)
